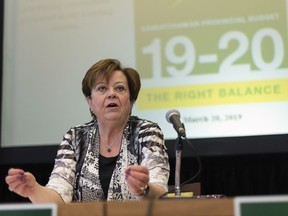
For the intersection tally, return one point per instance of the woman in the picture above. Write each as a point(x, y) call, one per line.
point(116, 156)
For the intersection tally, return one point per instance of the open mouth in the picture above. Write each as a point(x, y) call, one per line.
point(112, 105)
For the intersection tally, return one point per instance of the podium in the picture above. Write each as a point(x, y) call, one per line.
point(238, 206)
point(179, 206)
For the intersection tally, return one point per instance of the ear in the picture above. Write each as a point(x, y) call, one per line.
point(89, 101)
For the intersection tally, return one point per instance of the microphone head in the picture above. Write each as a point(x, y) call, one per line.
point(170, 113)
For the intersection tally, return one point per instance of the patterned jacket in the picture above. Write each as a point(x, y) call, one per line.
point(75, 175)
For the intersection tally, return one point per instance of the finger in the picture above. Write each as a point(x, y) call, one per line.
point(140, 177)
point(10, 188)
point(137, 168)
point(21, 187)
point(15, 183)
point(137, 185)
point(13, 178)
point(10, 179)
point(13, 171)
point(134, 187)
point(140, 173)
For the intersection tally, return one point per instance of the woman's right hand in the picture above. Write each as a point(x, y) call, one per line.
point(20, 182)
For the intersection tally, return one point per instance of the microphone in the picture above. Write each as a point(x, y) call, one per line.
point(173, 117)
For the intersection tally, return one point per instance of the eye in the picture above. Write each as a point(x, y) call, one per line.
point(120, 88)
point(101, 88)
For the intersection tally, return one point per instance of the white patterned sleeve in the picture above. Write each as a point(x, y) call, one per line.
point(63, 174)
point(154, 155)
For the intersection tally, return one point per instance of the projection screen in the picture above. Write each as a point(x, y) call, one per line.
point(223, 64)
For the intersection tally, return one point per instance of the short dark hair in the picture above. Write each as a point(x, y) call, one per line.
point(103, 69)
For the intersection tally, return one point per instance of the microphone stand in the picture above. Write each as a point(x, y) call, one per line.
point(178, 153)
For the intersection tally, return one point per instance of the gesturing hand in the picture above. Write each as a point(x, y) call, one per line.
point(137, 178)
point(20, 182)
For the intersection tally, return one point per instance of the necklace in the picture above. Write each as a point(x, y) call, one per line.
point(108, 147)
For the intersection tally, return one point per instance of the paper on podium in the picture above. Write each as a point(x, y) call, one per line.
point(183, 194)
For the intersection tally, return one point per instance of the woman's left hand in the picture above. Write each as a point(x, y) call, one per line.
point(137, 178)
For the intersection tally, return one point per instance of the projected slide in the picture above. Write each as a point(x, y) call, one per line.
point(223, 64)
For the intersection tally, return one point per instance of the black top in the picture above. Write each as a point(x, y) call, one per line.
point(106, 167)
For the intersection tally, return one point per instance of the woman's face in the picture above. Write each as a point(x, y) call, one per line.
point(111, 101)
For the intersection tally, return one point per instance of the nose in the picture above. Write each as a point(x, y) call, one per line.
point(111, 93)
